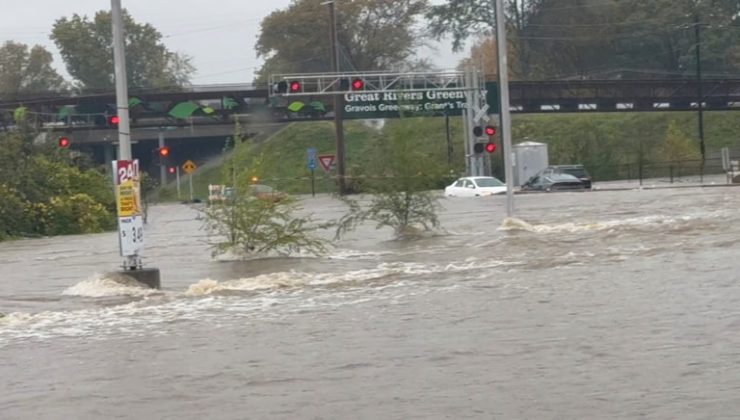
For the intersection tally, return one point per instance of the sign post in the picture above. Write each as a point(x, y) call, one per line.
point(311, 152)
point(189, 167)
point(126, 170)
point(177, 172)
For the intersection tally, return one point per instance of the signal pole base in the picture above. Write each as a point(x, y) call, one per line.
point(147, 276)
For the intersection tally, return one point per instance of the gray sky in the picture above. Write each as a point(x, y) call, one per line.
point(219, 35)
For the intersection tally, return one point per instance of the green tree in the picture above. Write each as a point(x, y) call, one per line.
point(678, 146)
point(596, 39)
point(373, 35)
point(27, 71)
point(465, 18)
point(401, 200)
point(87, 49)
point(44, 193)
point(253, 226)
point(250, 225)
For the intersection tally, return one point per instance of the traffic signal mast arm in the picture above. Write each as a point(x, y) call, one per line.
point(370, 82)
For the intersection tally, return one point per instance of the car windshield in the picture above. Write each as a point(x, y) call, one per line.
point(488, 182)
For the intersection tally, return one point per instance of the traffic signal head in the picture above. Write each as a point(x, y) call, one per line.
point(295, 86)
point(490, 130)
point(490, 147)
point(281, 87)
point(164, 151)
point(358, 84)
point(64, 142)
point(113, 120)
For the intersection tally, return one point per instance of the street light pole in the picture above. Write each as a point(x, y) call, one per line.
point(503, 77)
point(338, 99)
point(119, 65)
point(130, 225)
point(700, 91)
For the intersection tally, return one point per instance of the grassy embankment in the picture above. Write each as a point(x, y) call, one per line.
point(610, 145)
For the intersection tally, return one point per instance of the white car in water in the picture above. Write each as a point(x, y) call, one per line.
point(475, 186)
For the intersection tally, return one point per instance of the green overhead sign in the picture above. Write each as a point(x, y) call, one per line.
point(376, 105)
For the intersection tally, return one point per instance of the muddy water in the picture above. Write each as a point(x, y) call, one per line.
point(587, 305)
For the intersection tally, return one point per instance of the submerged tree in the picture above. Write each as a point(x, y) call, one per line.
point(401, 199)
point(249, 221)
point(255, 226)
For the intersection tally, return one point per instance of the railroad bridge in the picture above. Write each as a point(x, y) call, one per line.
point(207, 112)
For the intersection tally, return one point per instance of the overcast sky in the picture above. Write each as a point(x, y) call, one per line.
point(219, 35)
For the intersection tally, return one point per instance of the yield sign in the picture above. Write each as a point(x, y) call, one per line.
point(327, 161)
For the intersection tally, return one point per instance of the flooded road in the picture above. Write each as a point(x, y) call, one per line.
point(614, 304)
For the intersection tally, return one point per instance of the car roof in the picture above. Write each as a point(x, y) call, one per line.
point(562, 177)
point(478, 177)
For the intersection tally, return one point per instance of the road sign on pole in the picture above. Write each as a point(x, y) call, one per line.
point(189, 167)
point(481, 114)
point(311, 153)
point(327, 161)
point(129, 208)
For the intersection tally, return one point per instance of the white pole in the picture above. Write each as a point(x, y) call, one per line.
point(119, 69)
point(503, 76)
point(191, 188)
point(162, 162)
point(119, 64)
point(177, 172)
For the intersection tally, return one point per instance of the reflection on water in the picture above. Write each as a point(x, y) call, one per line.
point(586, 305)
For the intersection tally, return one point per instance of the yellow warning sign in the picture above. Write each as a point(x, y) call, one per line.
point(189, 167)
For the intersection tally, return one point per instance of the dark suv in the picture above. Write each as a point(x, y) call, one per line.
point(577, 171)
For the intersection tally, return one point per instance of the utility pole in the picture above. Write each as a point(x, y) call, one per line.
point(119, 64)
point(162, 164)
point(503, 78)
point(338, 99)
point(700, 91)
point(130, 227)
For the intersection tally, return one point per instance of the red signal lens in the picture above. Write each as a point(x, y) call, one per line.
point(295, 87)
point(171, 169)
point(490, 147)
point(114, 120)
point(358, 84)
point(164, 151)
point(64, 142)
point(490, 131)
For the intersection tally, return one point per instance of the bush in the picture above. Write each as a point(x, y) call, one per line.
point(78, 213)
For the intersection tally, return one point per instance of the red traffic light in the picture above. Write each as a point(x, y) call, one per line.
point(490, 147)
point(164, 151)
point(64, 142)
point(171, 169)
point(358, 84)
point(490, 131)
point(295, 87)
point(114, 120)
